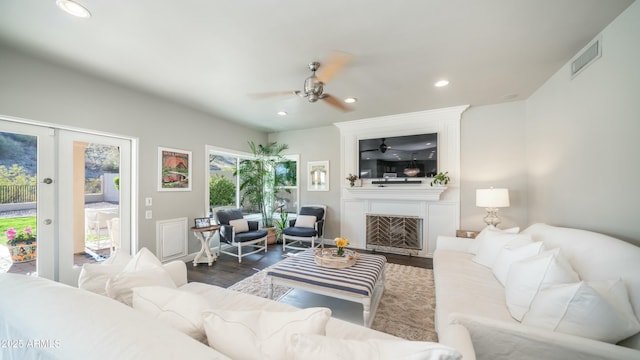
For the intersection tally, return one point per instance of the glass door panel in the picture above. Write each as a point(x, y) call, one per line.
point(27, 190)
point(95, 200)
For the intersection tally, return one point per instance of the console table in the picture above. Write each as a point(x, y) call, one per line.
point(205, 234)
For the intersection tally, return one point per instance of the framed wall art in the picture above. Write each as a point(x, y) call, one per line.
point(174, 169)
point(318, 175)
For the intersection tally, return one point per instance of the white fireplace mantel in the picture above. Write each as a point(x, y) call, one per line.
point(439, 206)
point(397, 192)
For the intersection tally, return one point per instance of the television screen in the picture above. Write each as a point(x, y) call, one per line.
point(399, 156)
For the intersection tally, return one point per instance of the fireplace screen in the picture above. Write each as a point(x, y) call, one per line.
point(393, 232)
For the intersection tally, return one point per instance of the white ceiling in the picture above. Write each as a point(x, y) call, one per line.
point(210, 54)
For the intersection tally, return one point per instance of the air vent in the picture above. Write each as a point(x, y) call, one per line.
point(588, 56)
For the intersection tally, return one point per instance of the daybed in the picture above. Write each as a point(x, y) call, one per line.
point(137, 308)
point(546, 293)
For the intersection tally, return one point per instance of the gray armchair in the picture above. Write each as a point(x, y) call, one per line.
point(236, 231)
point(305, 228)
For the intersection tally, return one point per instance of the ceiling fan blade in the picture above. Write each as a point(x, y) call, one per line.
point(333, 65)
point(272, 94)
point(336, 103)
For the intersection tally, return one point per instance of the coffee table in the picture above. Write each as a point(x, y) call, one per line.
point(362, 283)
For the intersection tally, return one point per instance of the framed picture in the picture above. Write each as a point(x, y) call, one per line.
point(174, 169)
point(318, 175)
point(202, 222)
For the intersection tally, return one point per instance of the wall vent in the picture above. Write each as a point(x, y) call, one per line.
point(592, 53)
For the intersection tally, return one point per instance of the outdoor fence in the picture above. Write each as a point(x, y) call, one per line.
point(17, 193)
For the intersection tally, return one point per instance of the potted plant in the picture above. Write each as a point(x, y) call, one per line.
point(441, 178)
point(281, 222)
point(259, 181)
point(22, 245)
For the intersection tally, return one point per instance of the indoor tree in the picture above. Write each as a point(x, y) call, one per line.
point(259, 180)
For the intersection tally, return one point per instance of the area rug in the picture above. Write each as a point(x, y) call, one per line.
point(406, 309)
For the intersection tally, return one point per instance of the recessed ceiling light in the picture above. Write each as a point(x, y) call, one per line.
point(73, 8)
point(350, 100)
point(282, 113)
point(441, 83)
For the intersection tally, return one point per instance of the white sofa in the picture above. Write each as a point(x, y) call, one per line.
point(49, 320)
point(469, 294)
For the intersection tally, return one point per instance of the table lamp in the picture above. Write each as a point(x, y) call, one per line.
point(492, 199)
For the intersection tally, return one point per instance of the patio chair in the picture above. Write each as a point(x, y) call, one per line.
point(236, 231)
point(308, 226)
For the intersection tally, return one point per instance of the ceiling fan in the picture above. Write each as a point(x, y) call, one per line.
point(313, 88)
point(382, 148)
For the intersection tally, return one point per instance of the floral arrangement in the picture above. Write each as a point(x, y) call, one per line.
point(341, 243)
point(14, 237)
point(352, 179)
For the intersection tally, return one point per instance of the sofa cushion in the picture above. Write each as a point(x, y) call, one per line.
point(300, 231)
point(492, 244)
point(477, 242)
point(239, 225)
point(144, 269)
point(317, 347)
point(181, 310)
point(512, 253)
point(526, 278)
point(250, 235)
point(305, 221)
point(260, 334)
point(94, 277)
point(598, 310)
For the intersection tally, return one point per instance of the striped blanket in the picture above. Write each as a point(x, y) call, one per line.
point(359, 279)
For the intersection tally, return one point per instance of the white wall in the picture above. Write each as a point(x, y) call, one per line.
point(317, 144)
point(583, 145)
point(39, 90)
point(492, 153)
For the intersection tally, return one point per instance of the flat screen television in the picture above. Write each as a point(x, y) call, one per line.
point(399, 157)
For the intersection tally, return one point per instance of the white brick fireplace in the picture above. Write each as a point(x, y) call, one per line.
point(437, 207)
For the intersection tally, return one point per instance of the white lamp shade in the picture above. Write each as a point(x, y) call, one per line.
point(492, 198)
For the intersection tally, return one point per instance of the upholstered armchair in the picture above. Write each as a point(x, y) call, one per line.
point(236, 231)
point(308, 227)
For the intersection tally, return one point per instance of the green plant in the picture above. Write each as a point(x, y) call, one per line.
point(116, 182)
point(441, 178)
point(282, 222)
point(222, 191)
point(259, 180)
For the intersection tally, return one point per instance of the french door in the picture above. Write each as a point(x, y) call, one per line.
point(77, 221)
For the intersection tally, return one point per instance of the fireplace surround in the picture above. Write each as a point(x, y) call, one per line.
point(437, 206)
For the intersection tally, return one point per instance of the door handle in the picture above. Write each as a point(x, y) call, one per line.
point(47, 180)
point(47, 221)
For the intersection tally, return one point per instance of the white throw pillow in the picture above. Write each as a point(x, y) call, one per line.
point(144, 269)
point(317, 347)
point(510, 254)
point(179, 309)
point(308, 221)
point(477, 242)
point(240, 225)
point(595, 310)
point(526, 277)
point(260, 334)
point(94, 277)
point(119, 256)
point(493, 242)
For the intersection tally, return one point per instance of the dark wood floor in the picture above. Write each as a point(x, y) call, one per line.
point(226, 271)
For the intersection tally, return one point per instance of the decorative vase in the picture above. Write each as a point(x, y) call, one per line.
point(340, 251)
point(352, 183)
point(23, 251)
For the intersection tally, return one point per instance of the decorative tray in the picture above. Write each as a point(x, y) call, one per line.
point(330, 258)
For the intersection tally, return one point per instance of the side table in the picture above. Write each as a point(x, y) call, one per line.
point(205, 234)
